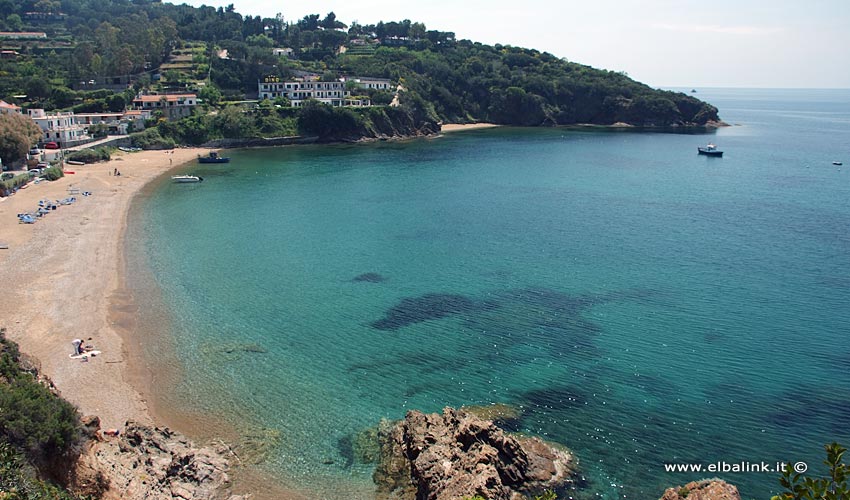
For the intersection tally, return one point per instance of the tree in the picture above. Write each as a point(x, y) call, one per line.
point(38, 88)
point(210, 94)
point(14, 22)
point(330, 22)
point(17, 134)
point(260, 41)
point(234, 123)
point(116, 103)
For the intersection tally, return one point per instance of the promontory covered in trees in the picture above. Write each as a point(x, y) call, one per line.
point(91, 56)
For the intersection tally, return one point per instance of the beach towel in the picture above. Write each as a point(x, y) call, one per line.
point(84, 355)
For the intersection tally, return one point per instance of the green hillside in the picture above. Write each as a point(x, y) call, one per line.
point(94, 49)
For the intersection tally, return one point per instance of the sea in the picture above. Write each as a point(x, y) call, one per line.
point(647, 307)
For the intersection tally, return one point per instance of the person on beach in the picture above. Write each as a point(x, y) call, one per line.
point(78, 346)
point(115, 171)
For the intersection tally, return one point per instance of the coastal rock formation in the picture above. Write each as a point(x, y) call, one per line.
point(458, 455)
point(709, 489)
point(149, 463)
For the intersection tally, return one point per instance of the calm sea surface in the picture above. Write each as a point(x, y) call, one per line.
point(640, 303)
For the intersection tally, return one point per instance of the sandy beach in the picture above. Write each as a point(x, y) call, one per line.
point(62, 275)
point(459, 127)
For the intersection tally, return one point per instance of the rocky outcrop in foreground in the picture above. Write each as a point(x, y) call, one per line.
point(457, 455)
point(149, 463)
point(713, 489)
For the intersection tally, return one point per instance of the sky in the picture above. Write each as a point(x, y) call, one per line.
point(663, 43)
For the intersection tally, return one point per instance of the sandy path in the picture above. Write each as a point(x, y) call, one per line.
point(60, 277)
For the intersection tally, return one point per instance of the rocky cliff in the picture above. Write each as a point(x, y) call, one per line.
point(457, 455)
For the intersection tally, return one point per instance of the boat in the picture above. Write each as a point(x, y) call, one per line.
point(710, 150)
point(837, 163)
point(186, 178)
point(74, 162)
point(213, 158)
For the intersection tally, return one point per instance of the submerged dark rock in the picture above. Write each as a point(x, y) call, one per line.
point(427, 307)
point(457, 455)
point(369, 278)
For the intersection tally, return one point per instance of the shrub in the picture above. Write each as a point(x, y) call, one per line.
point(32, 419)
point(151, 139)
point(10, 185)
point(834, 487)
point(91, 155)
point(17, 482)
point(53, 173)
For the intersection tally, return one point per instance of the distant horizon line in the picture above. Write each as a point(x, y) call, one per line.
point(750, 88)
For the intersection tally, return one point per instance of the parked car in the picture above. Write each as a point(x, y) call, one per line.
point(34, 172)
point(35, 151)
point(51, 145)
point(42, 165)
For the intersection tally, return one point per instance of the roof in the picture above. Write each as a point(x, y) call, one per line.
point(30, 34)
point(168, 97)
point(4, 104)
point(84, 115)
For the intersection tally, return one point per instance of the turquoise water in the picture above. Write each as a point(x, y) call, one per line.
point(642, 304)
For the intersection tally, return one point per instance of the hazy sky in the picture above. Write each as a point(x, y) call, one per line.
point(664, 43)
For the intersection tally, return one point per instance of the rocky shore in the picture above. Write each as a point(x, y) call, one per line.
point(145, 462)
point(458, 455)
point(710, 489)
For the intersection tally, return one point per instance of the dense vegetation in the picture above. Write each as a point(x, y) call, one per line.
point(107, 44)
point(36, 428)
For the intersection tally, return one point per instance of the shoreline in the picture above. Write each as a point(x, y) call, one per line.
point(69, 276)
point(64, 278)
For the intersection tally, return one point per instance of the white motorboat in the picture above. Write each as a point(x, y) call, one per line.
point(186, 178)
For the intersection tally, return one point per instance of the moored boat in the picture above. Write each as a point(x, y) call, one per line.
point(186, 178)
point(213, 157)
point(709, 150)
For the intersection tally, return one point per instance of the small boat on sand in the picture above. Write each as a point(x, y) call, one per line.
point(213, 157)
point(710, 150)
point(180, 179)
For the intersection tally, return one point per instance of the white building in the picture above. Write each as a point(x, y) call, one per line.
point(61, 128)
point(174, 106)
point(114, 121)
point(286, 51)
point(331, 93)
point(371, 83)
